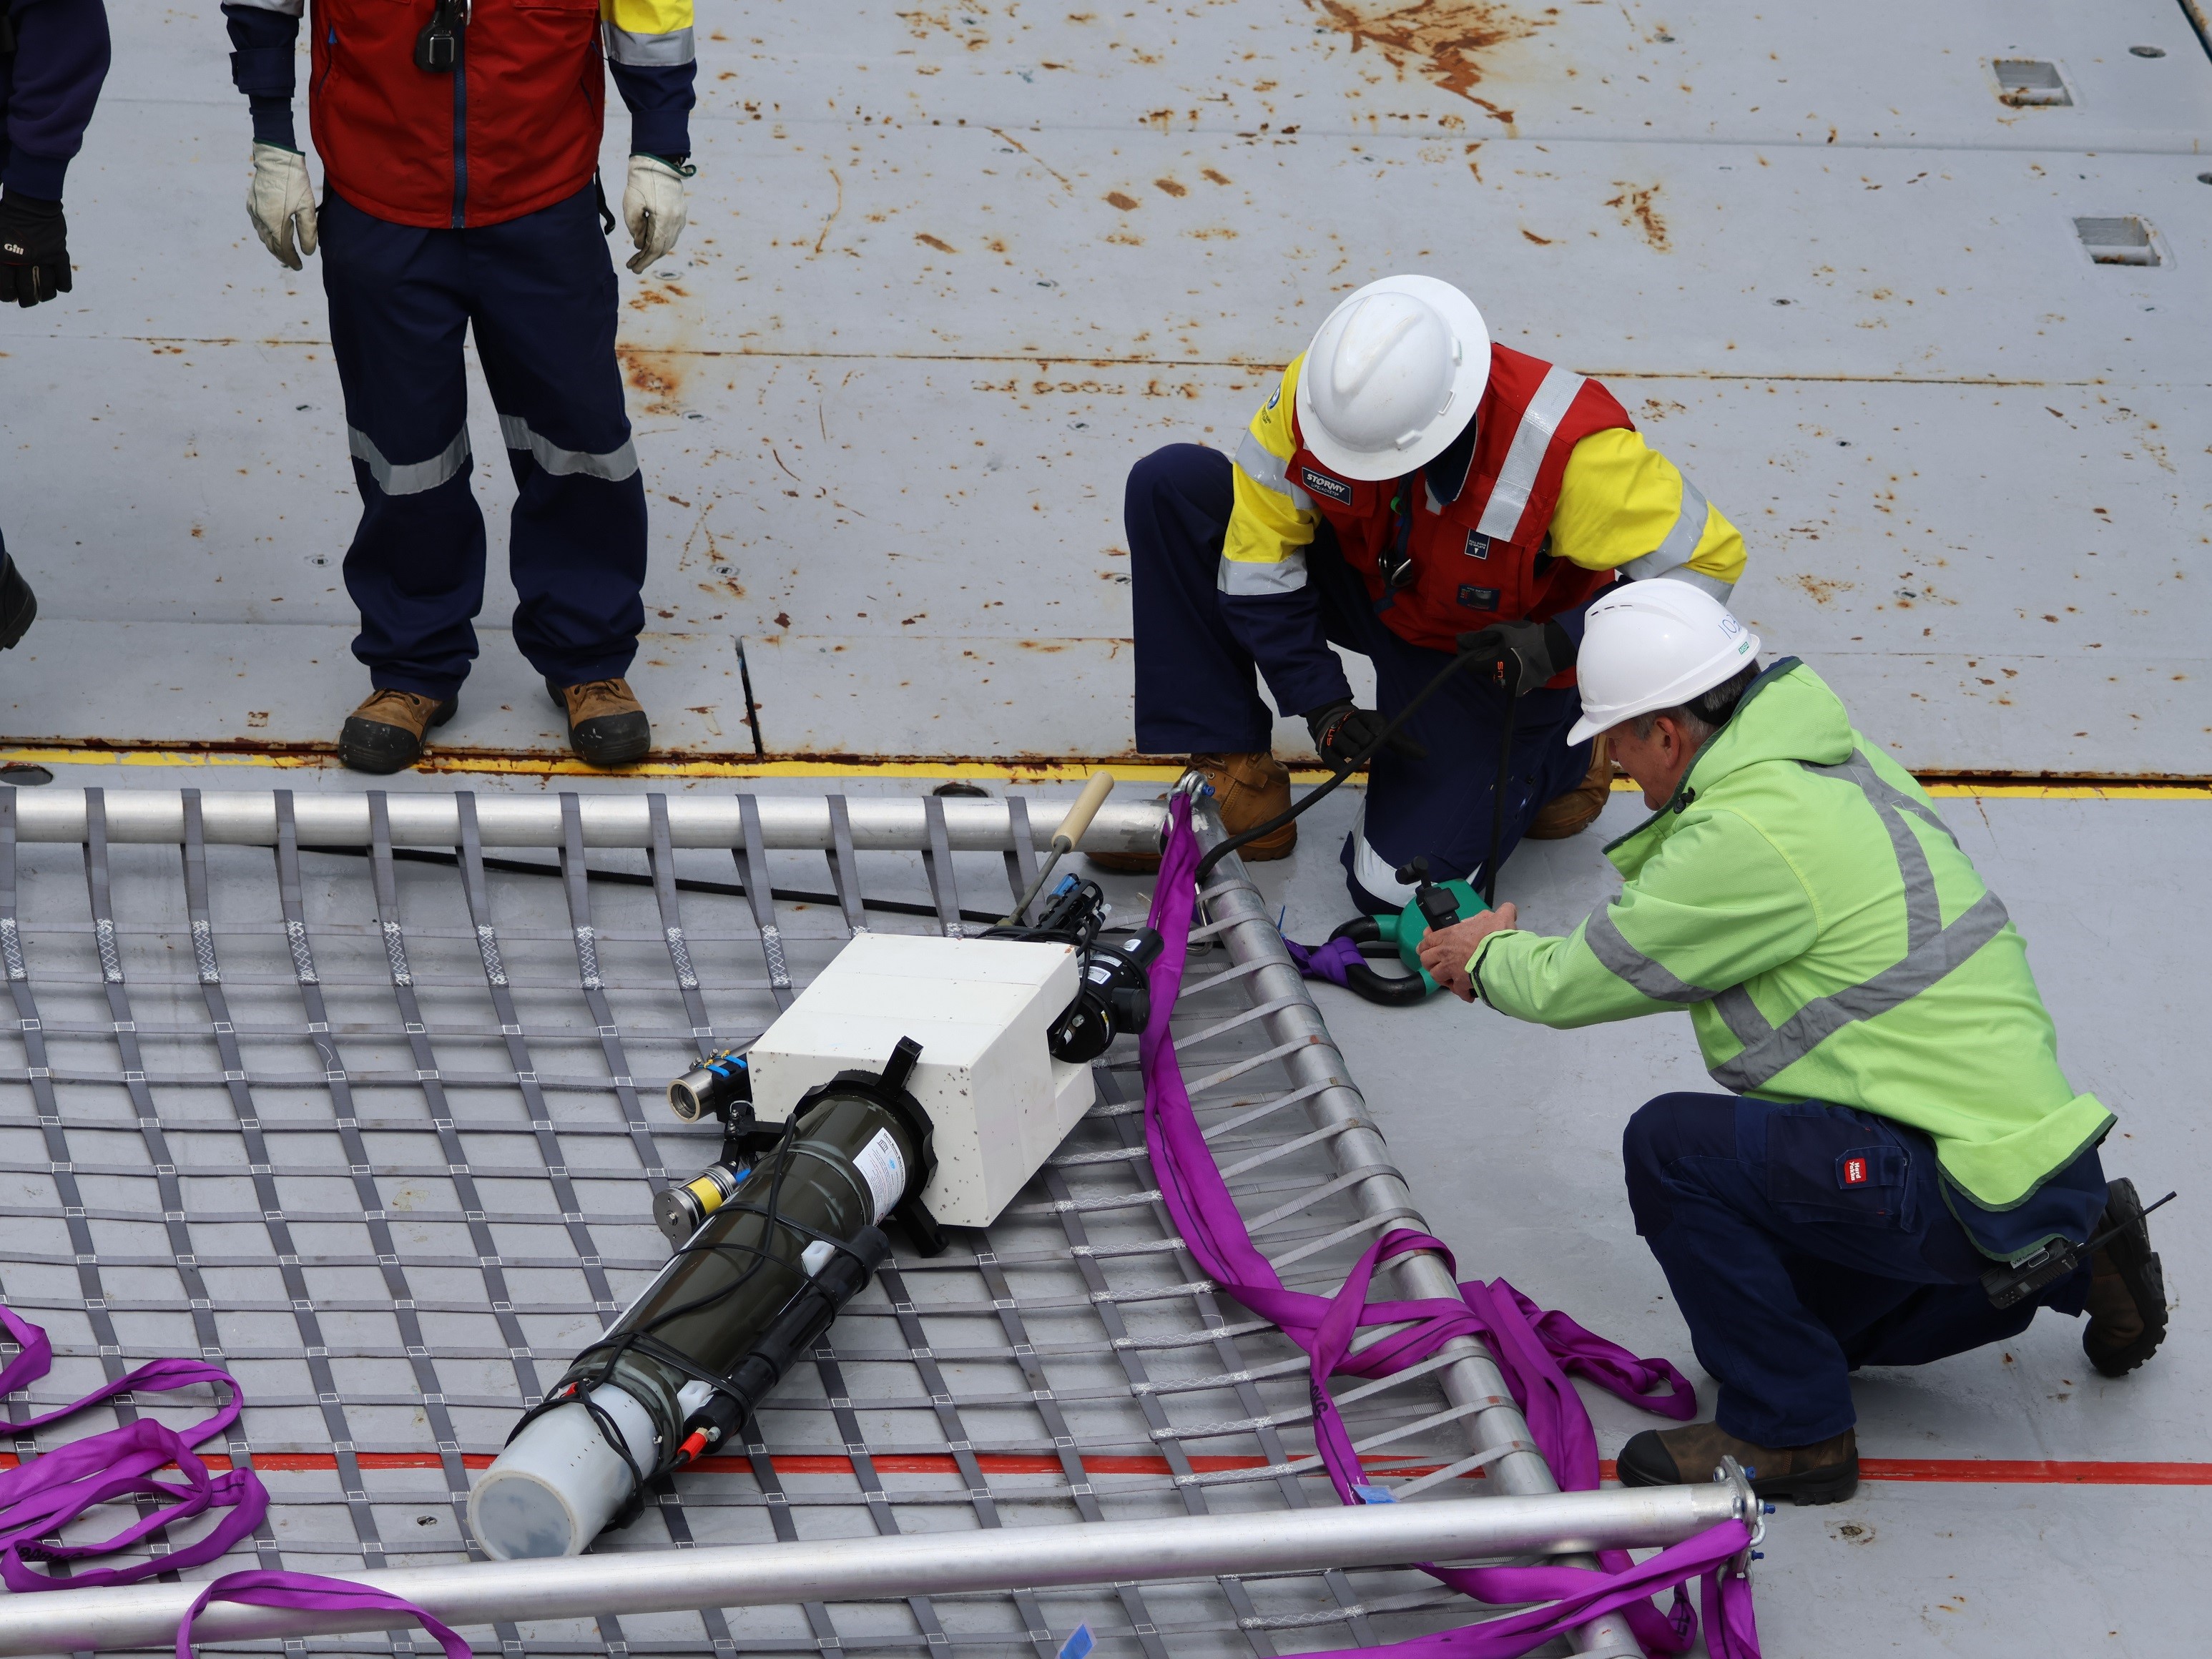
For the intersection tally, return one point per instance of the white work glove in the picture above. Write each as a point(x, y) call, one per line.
point(652, 208)
point(279, 198)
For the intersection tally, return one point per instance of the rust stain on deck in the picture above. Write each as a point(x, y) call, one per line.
point(658, 376)
point(1442, 40)
point(1634, 204)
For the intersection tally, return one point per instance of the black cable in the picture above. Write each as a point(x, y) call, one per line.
point(1512, 680)
point(632, 878)
point(1462, 659)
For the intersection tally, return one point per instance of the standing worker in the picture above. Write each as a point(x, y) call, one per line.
point(53, 57)
point(460, 147)
point(1900, 1170)
point(1407, 482)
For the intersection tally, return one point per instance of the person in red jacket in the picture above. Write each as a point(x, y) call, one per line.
point(459, 142)
point(1407, 483)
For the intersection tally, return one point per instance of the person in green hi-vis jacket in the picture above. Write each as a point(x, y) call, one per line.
point(1897, 1128)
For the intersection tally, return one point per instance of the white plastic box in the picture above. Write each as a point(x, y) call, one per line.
point(980, 1009)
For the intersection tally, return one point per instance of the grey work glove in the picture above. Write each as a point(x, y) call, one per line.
point(281, 201)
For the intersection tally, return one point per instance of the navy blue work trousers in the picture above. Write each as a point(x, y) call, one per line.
point(1197, 689)
point(540, 293)
point(1804, 1241)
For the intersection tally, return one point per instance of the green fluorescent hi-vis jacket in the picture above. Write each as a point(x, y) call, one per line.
point(1801, 899)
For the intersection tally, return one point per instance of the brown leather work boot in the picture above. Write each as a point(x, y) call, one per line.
point(1247, 789)
point(1826, 1472)
point(607, 725)
point(386, 732)
point(2127, 1289)
point(1576, 811)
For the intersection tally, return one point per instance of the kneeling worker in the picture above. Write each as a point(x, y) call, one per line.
point(1407, 482)
point(1897, 1125)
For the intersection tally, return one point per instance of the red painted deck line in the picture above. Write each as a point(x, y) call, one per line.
point(1963, 1471)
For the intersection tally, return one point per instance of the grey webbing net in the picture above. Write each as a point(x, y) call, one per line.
point(379, 1134)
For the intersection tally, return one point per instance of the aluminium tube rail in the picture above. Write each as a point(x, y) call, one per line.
point(432, 818)
point(1473, 1377)
point(905, 1564)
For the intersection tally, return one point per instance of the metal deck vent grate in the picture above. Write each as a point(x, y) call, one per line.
point(381, 1136)
point(2030, 83)
point(2122, 240)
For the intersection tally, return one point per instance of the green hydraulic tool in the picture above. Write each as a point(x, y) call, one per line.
point(1434, 904)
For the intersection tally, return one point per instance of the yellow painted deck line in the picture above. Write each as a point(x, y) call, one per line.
point(1004, 771)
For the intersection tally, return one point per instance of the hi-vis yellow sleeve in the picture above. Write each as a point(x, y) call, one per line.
point(648, 32)
point(1272, 520)
point(1624, 505)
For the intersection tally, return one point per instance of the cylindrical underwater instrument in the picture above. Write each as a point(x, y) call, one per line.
point(744, 1296)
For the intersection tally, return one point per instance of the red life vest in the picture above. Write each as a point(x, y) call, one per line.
point(513, 129)
point(1479, 558)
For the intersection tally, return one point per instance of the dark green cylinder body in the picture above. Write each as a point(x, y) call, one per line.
point(849, 1163)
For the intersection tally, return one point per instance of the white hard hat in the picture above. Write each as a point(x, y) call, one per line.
point(1392, 377)
point(1654, 644)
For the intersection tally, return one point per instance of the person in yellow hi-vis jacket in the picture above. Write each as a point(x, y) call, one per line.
point(1407, 482)
point(460, 146)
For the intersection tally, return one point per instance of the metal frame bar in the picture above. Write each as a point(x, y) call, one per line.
point(1121, 1553)
point(940, 824)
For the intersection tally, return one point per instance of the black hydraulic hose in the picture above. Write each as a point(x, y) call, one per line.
point(1504, 776)
point(1389, 990)
point(1346, 769)
point(632, 878)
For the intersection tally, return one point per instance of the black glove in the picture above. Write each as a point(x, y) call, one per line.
point(1343, 731)
point(1532, 652)
point(34, 262)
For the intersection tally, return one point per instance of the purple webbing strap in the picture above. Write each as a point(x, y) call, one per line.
point(1328, 960)
point(1534, 1351)
point(37, 1499)
point(304, 1590)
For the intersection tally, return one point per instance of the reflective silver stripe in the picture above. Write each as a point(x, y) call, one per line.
point(1625, 962)
point(1689, 527)
point(1818, 1020)
point(1245, 577)
point(1741, 1016)
point(1681, 544)
point(1859, 770)
point(1524, 456)
point(625, 47)
point(1269, 472)
point(415, 476)
point(282, 8)
point(614, 466)
point(1931, 949)
point(1923, 910)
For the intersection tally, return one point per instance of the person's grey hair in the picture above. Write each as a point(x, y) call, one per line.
point(1704, 714)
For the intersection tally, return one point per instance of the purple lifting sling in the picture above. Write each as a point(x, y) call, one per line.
point(39, 1498)
point(1535, 1351)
